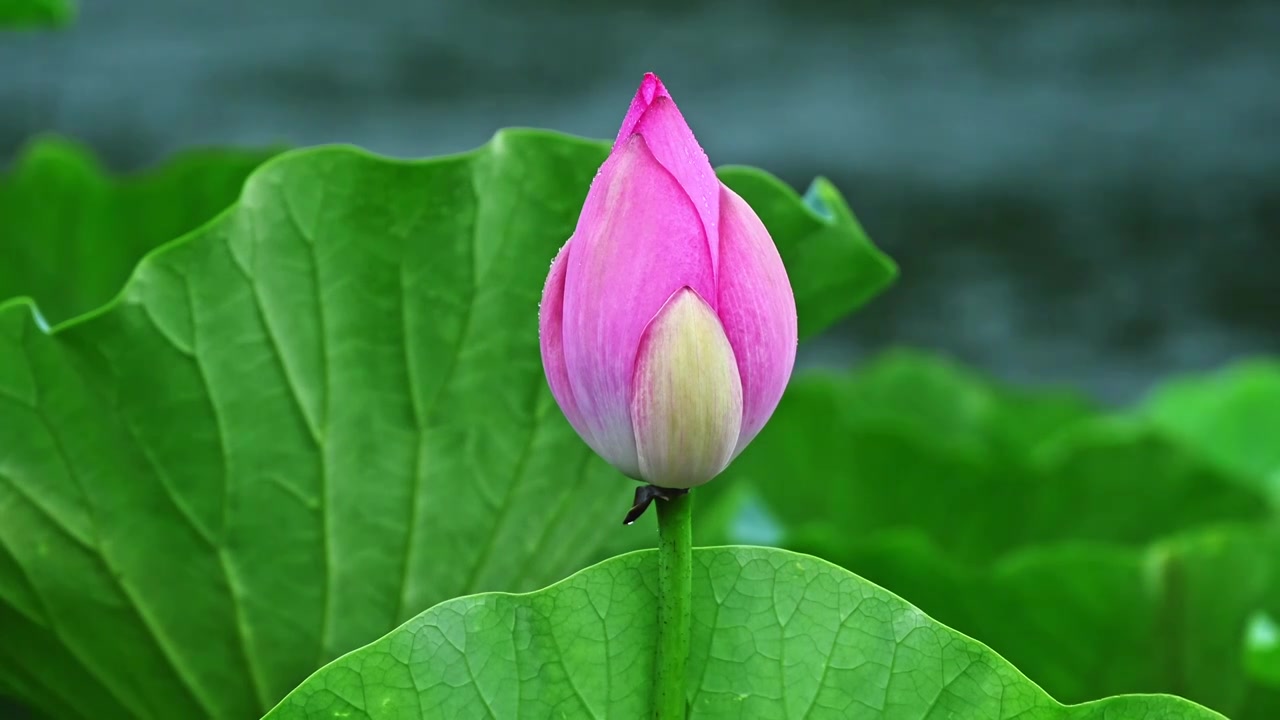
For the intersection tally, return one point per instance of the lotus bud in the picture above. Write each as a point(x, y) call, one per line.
point(667, 325)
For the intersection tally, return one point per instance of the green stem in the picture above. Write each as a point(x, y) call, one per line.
point(675, 580)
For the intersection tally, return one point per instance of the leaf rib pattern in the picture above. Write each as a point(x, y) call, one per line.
point(475, 656)
point(312, 417)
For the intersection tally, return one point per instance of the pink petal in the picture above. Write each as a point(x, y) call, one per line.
point(651, 87)
point(758, 311)
point(672, 143)
point(687, 401)
point(638, 240)
point(551, 337)
point(654, 115)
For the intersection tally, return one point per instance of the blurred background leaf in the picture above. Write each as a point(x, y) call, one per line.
point(1232, 417)
point(36, 13)
point(1091, 548)
point(71, 232)
point(1262, 649)
point(832, 456)
point(1088, 620)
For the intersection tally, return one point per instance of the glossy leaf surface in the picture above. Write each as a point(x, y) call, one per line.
point(306, 422)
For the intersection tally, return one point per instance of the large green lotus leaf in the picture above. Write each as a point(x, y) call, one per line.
point(826, 458)
point(775, 635)
point(1231, 416)
point(303, 424)
point(35, 13)
point(70, 233)
point(829, 274)
point(1086, 620)
point(73, 233)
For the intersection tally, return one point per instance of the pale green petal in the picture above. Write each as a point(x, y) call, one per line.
point(687, 399)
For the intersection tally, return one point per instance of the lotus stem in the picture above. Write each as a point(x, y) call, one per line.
point(675, 582)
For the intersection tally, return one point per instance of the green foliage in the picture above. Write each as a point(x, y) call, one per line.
point(1087, 620)
point(775, 635)
point(898, 448)
point(306, 421)
point(1101, 554)
point(830, 275)
point(321, 412)
point(1231, 417)
point(71, 234)
point(1262, 649)
point(36, 13)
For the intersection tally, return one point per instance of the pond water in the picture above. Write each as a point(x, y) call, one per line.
point(1081, 193)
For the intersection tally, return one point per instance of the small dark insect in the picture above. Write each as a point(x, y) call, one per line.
point(646, 494)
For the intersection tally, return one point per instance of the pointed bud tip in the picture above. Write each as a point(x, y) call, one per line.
point(651, 87)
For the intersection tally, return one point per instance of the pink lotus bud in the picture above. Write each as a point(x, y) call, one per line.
point(668, 325)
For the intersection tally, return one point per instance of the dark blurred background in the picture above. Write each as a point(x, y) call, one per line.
point(1081, 193)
